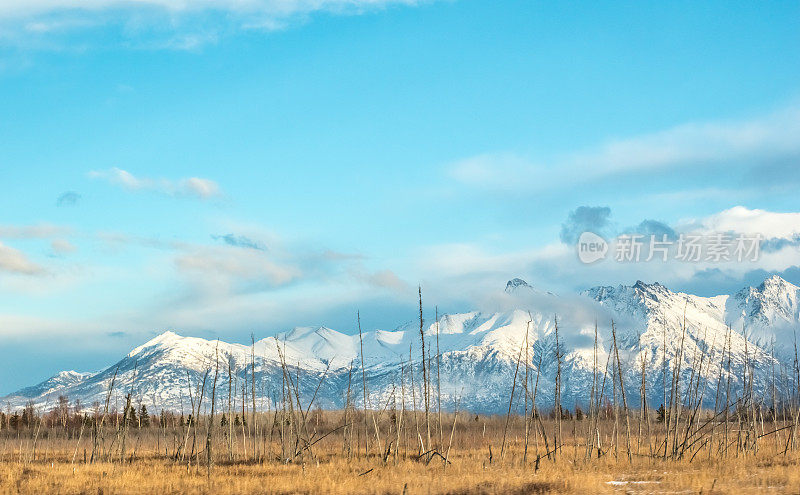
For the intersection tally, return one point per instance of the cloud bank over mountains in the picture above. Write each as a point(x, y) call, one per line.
point(234, 275)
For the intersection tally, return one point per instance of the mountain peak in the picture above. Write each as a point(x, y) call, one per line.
point(644, 285)
point(165, 338)
point(774, 302)
point(775, 281)
point(516, 283)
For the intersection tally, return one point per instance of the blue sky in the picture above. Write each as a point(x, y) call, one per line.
point(263, 164)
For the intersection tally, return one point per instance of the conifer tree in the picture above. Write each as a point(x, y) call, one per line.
point(144, 417)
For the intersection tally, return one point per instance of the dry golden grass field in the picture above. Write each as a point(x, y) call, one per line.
point(324, 452)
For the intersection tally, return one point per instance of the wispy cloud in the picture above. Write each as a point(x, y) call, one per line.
point(14, 261)
point(742, 146)
point(117, 241)
point(41, 231)
point(767, 136)
point(272, 8)
point(166, 24)
point(62, 246)
point(223, 270)
point(240, 241)
point(383, 279)
point(243, 265)
point(195, 187)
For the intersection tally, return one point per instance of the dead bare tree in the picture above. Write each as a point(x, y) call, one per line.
point(438, 383)
point(364, 386)
point(425, 384)
point(253, 417)
point(558, 411)
point(511, 401)
point(210, 425)
point(98, 431)
point(622, 391)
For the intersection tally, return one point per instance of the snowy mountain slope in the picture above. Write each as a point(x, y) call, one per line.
point(768, 312)
point(479, 352)
point(669, 325)
point(54, 384)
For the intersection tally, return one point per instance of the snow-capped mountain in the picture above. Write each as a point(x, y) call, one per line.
point(479, 353)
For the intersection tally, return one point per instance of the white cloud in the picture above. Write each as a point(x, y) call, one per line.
point(711, 142)
point(163, 24)
point(41, 231)
point(743, 144)
point(24, 326)
point(226, 269)
point(62, 246)
point(202, 188)
point(276, 8)
point(382, 279)
point(123, 178)
point(460, 259)
point(742, 220)
point(495, 170)
point(193, 186)
point(387, 279)
point(14, 261)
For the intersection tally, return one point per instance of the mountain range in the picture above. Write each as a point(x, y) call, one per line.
point(479, 353)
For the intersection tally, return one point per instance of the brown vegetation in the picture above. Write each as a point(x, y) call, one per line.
point(317, 452)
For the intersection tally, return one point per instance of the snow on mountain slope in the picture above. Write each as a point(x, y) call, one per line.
point(59, 381)
point(670, 325)
point(769, 311)
point(479, 352)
